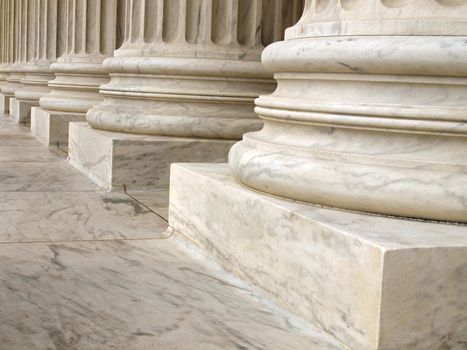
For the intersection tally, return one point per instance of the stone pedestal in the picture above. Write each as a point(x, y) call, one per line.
point(373, 282)
point(51, 128)
point(113, 160)
point(20, 111)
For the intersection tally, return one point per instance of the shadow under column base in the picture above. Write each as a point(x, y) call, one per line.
point(113, 160)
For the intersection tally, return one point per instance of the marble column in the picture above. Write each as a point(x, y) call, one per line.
point(364, 138)
point(12, 71)
point(4, 49)
point(186, 69)
point(45, 27)
point(369, 113)
point(90, 37)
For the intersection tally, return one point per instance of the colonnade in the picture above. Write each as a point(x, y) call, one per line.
point(366, 115)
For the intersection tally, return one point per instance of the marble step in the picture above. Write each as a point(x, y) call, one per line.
point(373, 282)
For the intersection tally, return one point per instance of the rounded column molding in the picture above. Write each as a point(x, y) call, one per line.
point(191, 68)
point(366, 117)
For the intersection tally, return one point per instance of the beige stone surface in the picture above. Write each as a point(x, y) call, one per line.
point(373, 282)
point(113, 160)
point(368, 115)
point(51, 128)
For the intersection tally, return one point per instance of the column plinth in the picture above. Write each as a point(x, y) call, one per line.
point(362, 120)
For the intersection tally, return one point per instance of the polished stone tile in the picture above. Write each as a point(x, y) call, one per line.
point(48, 216)
point(149, 294)
point(19, 140)
point(157, 200)
point(27, 154)
point(40, 176)
point(7, 128)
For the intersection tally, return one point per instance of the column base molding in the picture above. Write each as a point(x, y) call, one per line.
point(51, 128)
point(373, 282)
point(112, 159)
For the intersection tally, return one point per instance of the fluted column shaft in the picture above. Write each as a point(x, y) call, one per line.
point(4, 47)
point(46, 44)
point(191, 68)
point(17, 43)
point(90, 37)
point(370, 110)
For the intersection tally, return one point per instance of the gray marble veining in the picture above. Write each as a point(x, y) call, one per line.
point(40, 176)
point(46, 216)
point(112, 159)
point(149, 294)
point(27, 154)
point(155, 199)
point(366, 279)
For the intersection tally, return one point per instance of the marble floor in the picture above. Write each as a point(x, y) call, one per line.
point(90, 270)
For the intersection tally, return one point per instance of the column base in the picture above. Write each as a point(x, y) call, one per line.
point(4, 103)
point(51, 128)
point(20, 111)
point(373, 282)
point(112, 159)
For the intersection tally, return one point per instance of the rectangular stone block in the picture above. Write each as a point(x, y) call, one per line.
point(112, 159)
point(4, 103)
point(20, 111)
point(51, 128)
point(372, 282)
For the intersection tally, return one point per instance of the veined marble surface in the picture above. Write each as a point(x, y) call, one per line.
point(113, 159)
point(155, 199)
point(75, 216)
point(41, 176)
point(88, 270)
point(51, 128)
point(135, 295)
point(374, 282)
